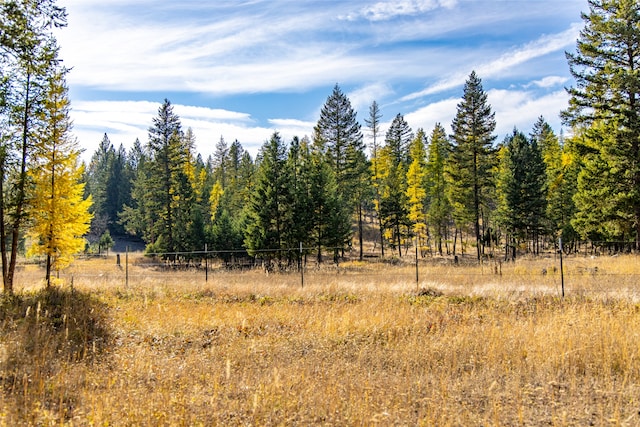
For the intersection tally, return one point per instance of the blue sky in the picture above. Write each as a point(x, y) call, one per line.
point(243, 69)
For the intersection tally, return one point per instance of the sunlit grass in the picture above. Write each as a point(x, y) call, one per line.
point(356, 345)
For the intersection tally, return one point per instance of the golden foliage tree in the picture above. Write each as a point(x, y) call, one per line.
point(416, 191)
point(60, 215)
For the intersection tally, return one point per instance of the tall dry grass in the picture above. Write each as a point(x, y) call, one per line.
point(359, 345)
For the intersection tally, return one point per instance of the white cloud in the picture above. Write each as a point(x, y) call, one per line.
point(385, 10)
point(548, 82)
point(426, 117)
point(512, 108)
point(362, 97)
point(124, 121)
point(540, 47)
point(521, 109)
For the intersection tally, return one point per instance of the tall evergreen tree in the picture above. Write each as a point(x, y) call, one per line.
point(109, 183)
point(606, 99)
point(164, 149)
point(398, 138)
point(268, 211)
point(340, 133)
point(221, 162)
point(119, 188)
point(163, 194)
point(600, 194)
point(329, 223)
point(472, 158)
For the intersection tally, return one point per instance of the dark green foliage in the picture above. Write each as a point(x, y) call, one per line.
point(226, 235)
point(106, 241)
point(328, 221)
point(338, 135)
point(561, 180)
point(109, 182)
point(338, 130)
point(397, 139)
point(523, 188)
point(604, 210)
point(606, 104)
point(472, 158)
point(269, 216)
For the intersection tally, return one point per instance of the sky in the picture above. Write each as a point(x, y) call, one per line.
point(242, 69)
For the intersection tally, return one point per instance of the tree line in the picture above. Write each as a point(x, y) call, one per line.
point(425, 187)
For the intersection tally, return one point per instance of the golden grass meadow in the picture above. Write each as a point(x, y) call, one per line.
point(360, 344)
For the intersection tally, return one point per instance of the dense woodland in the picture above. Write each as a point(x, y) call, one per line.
point(445, 188)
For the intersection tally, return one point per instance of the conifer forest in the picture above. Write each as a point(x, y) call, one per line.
point(445, 188)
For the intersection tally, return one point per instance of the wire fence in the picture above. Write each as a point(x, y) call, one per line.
point(580, 273)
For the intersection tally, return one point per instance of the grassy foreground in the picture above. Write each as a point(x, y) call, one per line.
point(251, 349)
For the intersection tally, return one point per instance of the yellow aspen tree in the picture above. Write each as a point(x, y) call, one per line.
point(60, 213)
point(416, 191)
point(382, 165)
point(214, 199)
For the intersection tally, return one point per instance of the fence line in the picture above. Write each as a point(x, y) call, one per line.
point(422, 271)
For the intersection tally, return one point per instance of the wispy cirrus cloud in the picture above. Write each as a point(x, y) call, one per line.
point(385, 10)
point(242, 69)
point(544, 45)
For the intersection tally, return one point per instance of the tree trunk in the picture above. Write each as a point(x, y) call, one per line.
point(360, 228)
point(20, 194)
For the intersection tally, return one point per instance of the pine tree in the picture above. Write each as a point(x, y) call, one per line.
point(398, 138)
point(340, 133)
point(268, 211)
point(522, 188)
point(188, 231)
point(109, 183)
point(338, 129)
point(606, 98)
point(561, 179)
point(472, 158)
point(600, 193)
point(96, 184)
point(164, 149)
point(138, 216)
point(298, 162)
point(329, 224)
point(439, 208)
point(221, 162)
point(60, 216)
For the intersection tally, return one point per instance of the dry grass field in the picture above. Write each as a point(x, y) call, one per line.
point(362, 344)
